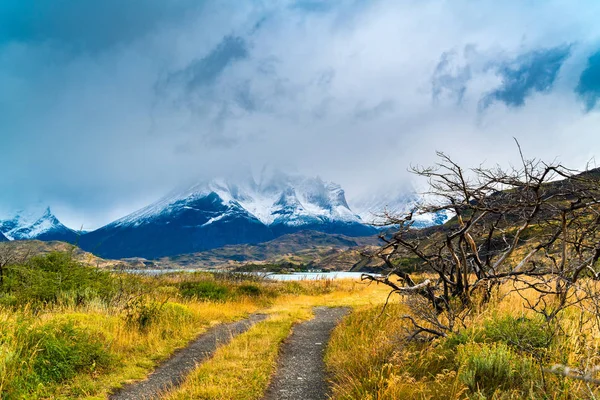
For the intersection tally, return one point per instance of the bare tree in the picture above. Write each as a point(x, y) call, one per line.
point(535, 225)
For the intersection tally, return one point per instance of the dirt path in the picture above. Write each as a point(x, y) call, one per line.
point(173, 371)
point(301, 369)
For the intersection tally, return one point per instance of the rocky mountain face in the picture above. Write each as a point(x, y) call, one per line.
point(40, 225)
point(218, 213)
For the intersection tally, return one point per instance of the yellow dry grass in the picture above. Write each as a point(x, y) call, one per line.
point(242, 369)
point(370, 359)
point(138, 351)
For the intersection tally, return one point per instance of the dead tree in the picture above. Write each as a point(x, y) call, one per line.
point(535, 225)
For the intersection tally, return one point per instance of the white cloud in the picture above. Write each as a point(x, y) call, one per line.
point(343, 92)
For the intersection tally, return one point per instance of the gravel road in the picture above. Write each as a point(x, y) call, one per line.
point(301, 369)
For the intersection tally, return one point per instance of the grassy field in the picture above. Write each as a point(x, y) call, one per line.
point(504, 351)
point(71, 331)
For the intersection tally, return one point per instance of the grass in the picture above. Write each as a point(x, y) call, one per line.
point(242, 369)
point(129, 352)
point(500, 354)
point(66, 336)
point(71, 331)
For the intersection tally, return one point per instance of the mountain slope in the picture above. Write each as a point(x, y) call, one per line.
point(23, 249)
point(3, 238)
point(184, 226)
point(304, 247)
point(39, 225)
point(372, 207)
point(218, 213)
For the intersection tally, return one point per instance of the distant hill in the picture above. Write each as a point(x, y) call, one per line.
point(305, 247)
point(29, 248)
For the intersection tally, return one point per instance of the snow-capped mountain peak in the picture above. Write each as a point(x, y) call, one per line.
point(35, 224)
point(283, 199)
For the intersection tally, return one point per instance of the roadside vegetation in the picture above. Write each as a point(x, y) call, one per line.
point(503, 351)
point(74, 331)
point(503, 301)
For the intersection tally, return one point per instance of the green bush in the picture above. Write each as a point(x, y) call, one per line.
point(205, 290)
point(51, 353)
point(61, 351)
point(488, 368)
point(529, 335)
point(249, 289)
point(56, 278)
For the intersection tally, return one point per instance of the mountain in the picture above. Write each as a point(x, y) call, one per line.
point(218, 213)
point(3, 238)
point(40, 225)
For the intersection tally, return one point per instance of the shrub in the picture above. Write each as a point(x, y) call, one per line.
point(529, 335)
point(249, 290)
point(142, 313)
point(293, 287)
point(204, 290)
point(55, 278)
point(61, 351)
point(47, 354)
point(487, 368)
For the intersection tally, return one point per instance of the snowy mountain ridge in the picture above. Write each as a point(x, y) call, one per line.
point(219, 212)
point(289, 200)
point(35, 224)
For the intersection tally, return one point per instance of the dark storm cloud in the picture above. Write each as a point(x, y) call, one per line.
point(204, 71)
point(527, 74)
point(588, 87)
point(87, 24)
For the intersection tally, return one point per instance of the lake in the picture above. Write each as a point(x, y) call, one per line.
point(293, 276)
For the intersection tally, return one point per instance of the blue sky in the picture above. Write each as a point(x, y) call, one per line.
point(106, 105)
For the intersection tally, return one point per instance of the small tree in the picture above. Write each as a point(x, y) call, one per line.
point(9, 255)
point(535, 225)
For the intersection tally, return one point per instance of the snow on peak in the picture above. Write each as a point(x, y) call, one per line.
point(29, 224)
point(279, 198)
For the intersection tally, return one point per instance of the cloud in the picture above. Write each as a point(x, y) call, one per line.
point(88, 25)
point(106, 106)
point(533, 72)
point(313, 5)
point(448, 80)
point(588, 87)
point(203, 72)
point(368, 113)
